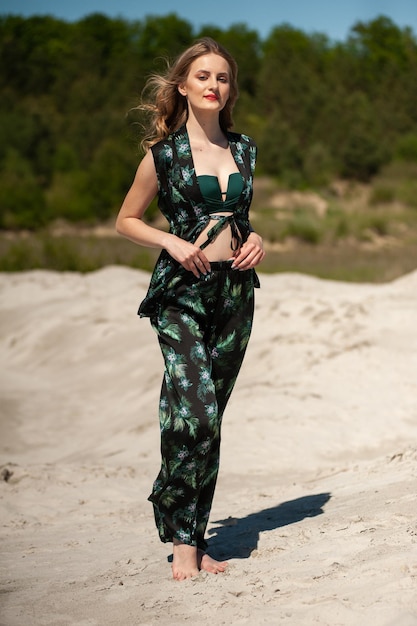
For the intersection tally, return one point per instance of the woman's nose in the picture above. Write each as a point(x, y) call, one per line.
point(213, 84)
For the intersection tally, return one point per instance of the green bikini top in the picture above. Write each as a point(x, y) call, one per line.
point(212, 194)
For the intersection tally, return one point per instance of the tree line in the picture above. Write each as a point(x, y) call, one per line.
point(69, 132)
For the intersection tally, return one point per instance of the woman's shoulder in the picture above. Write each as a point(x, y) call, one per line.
point(165, 145)
point(161, 144)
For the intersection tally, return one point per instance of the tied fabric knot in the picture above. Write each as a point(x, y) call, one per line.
point(222, 222)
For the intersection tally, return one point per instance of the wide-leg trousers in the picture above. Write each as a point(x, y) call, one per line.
point(203, 328)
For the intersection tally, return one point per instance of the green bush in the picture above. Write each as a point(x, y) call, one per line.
point(20, 256)
point(305, 227)
point(396, 182)
point(407, 193)
point(68, 198)
point(318, 165)
point(22, 203)
point(382, 193)
point(407, 148)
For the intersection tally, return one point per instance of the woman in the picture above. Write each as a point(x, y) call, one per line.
point(200, 298)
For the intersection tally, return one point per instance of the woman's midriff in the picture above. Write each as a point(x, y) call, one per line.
point(220, 249)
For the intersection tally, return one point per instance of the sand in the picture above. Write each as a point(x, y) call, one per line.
point(316, 504)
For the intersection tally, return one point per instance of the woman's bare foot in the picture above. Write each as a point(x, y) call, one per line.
point(208, 564)
point(184, 564)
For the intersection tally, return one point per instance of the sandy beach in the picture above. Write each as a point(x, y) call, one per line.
point(316, 503)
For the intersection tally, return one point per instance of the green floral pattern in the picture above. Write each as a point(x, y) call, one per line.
point(203, 330)
point(181, 202)
point(203, 326)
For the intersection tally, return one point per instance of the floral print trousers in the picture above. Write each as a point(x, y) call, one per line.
point(203, 329)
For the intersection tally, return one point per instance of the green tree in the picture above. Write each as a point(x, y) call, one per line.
point(22, 204)
point(36, 44)
point(361, 149)
point(110, 176)
point(315, 108)
point(160, 39)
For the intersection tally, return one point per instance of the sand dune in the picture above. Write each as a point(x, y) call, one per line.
point(316, 505)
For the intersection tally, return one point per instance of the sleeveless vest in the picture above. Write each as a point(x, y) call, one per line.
point(181, 202)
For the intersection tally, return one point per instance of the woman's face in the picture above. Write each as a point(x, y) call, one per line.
point(207, 87)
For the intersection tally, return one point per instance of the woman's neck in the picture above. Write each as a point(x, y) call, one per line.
point(205, 131)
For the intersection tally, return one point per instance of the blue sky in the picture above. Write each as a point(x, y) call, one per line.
point(332, 17)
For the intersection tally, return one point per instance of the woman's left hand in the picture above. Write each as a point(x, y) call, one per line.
point(250, 254)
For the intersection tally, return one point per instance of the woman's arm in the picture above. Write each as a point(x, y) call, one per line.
point(130, 224)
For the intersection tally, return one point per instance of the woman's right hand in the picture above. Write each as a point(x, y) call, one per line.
point(191, 257)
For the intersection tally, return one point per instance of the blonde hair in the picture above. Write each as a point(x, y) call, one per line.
point(168, 108)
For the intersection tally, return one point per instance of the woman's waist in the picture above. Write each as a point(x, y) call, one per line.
point(223, 245)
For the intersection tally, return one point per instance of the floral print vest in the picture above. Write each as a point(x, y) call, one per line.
point(182, 204)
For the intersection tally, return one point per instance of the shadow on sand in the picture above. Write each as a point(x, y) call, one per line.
point(236, 538)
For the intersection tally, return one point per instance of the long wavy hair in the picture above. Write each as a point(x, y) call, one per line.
point(167, 108)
